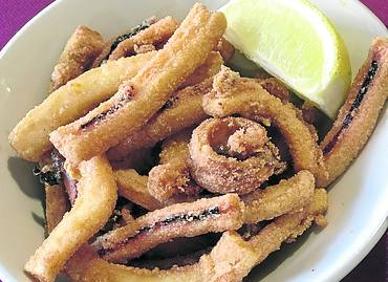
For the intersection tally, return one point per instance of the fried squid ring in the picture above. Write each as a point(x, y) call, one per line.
point(83, 47)
point(133, 187)
point(57, 204)
point(287, 196)
point(230, 260)
point(30, 137)
point(180, 220)
point(141, 97)
point(234, 95)
point(170, 181)
point(97, 196)
point(358, 116)
point(232, 155)
point(156, 34)
point(183, 110)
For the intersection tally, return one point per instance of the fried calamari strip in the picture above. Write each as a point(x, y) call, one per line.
point(180, 220)
point(358, 116)
point(276, 88)
point(235, 265)
point(30, 137)
point(232, 155)
point(83, 47)
point(226, 49)
point(155, 34)
point(57, 204)
point(183, 110)
point(97, 196)
point(287, 196)
point(170, 181)
point(208, 69)
point(234, 95)
point(230, 260)
point(133, 187)
point(141, 97)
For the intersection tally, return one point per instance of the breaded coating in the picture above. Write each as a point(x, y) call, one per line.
point(133, 187)
point(220, 165)
point(235, 95)
point(230, 260)
point(358, 116)
point(30, 137)
point(180, 220)
point(57, 204)
point(97, 194)
point(287, 196)
point(155, 34)
point(170, 181)
point(83, 47)
point(183, 110)
point(141, 97)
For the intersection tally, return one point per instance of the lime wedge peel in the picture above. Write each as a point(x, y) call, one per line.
point(295, 42)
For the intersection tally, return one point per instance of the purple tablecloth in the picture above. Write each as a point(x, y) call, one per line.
point(15, 13)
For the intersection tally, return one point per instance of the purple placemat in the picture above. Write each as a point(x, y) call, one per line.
point(15, 13)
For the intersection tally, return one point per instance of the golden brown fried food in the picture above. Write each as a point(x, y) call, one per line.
point(133, 187)
point(141, 97)
point(358, 116)
point(287, 196)
point(232, 155)
point(234, 95)
point(276, 88)
point(83, 47)
point(156, 34)
point(170, 181)
point(30, 137)
point(97, 195)
point(208, 69)
point(57, 204)
point(180, 220)
point(183, 110)
point(230, 260)
point(226, 49)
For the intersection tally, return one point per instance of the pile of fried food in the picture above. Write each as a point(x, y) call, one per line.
point(149, 139)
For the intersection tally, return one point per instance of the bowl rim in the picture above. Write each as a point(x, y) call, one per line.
point(338, 272)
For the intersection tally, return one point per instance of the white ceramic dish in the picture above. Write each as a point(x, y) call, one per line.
point(358, 207)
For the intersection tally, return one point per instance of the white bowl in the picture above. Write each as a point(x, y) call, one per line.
point(358, 201)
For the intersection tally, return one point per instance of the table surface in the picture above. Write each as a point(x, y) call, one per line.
point(14, 14)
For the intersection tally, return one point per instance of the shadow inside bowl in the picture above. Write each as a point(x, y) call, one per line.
point(21, 172)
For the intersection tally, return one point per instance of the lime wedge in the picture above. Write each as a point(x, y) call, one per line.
point(296, 43)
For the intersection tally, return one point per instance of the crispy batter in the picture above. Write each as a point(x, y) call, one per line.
point(180, 220)
point(80, 51)
point(358, 116)
point(234, 95)
point(230, 260)
point(57, 204)
point(155, 34)
point(183, 110)
point(220, 165)
point(97, 196)
point(208, 69)
point(287, 196)
point(133, 187)
point(170, 181)
point(30, 137)
point(141, 97)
